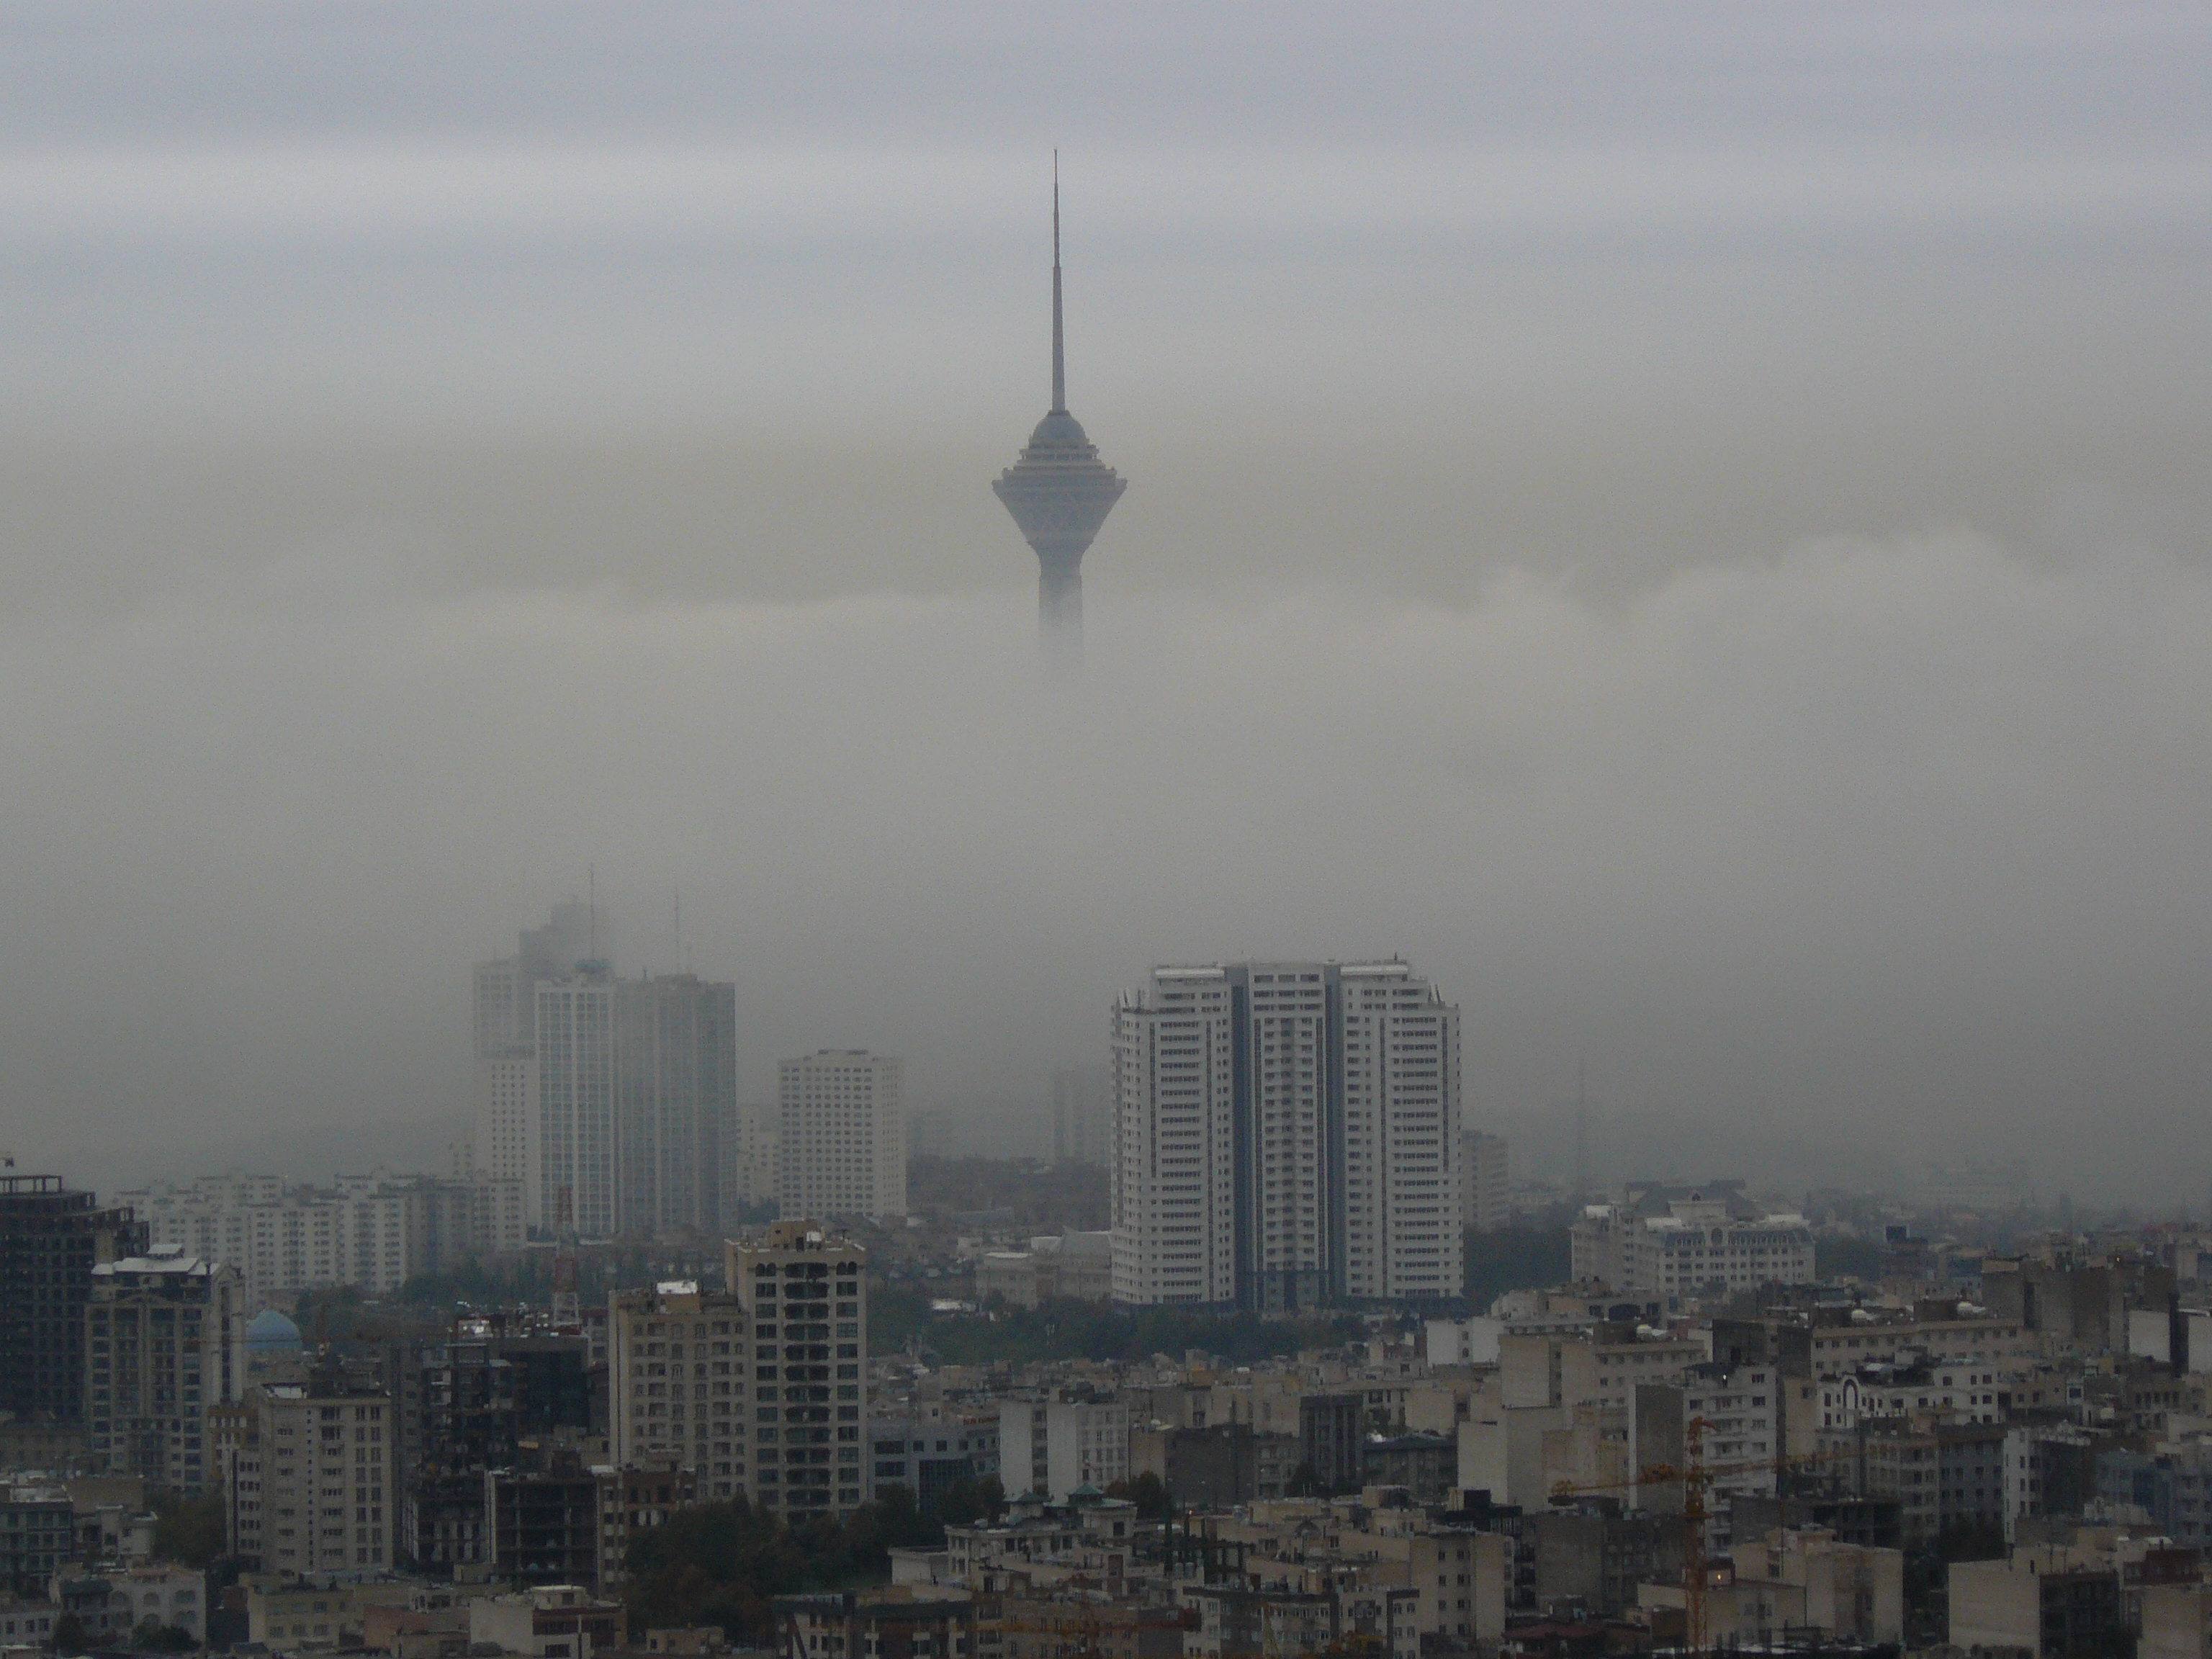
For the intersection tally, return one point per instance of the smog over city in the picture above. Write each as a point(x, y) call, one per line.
point(1688, 525)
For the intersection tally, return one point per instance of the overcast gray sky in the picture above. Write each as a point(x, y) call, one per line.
point(1688, 522)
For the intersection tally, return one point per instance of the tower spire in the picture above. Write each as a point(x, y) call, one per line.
point(1058, 349)
point(1059, 491)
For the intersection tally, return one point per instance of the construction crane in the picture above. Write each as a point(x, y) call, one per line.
point(1696, 1478)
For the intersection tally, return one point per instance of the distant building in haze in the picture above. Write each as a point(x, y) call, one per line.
point(1286, 1135)
point(1083, 1114)
point(843, 1135)
point(612, 1101)
point(1486, 1182)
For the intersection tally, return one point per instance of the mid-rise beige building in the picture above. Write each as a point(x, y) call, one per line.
point(678, 1364)
point(310, 1481)
point(805, 1293)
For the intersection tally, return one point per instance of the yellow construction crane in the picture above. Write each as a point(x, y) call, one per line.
point(1696, 1478)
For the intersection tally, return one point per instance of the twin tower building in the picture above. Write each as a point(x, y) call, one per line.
point(1286, 1135)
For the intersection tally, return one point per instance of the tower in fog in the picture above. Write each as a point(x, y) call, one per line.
point(1059, 491)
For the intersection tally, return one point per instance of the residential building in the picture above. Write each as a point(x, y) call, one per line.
point(1054, 1446)
point(1487, 1184)
point(806, 1295)
point(1677, 1242)
point(1078, 1267)
point(50, 1239)
point(843, 1135)
point(675, 1101)
point(373, 1232)
point(2059, 1603)
point(542, 1525)
point(38, 1534)
point(634, 1500)
point(550, 1621)
point(1801, 1583)
point(930, 1458)
point(165, 1338)
point(1286, 1133)
point(678, 1358)
point(309, 1479)
point(111, 1601)
point(890, 1622)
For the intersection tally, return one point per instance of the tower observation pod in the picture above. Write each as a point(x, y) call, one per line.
point(1059, 491)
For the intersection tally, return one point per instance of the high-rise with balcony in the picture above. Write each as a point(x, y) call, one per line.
point(1286, 1133)
point(806, 1293)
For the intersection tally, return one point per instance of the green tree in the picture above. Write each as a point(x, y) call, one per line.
point(1146, 1492)
point(192, 1532)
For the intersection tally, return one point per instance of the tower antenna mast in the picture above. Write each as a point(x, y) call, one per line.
point(1059, 336)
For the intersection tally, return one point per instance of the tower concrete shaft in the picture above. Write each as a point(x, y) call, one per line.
point(1058, 490)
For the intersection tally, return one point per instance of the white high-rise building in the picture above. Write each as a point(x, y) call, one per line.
point(1172, 1181)
point(1286, 1133)
point(1400, 1046)
point(576, 1163)
point(843, 1135)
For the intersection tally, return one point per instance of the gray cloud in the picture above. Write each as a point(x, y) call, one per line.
point(1688, 522)
point(1896, 835)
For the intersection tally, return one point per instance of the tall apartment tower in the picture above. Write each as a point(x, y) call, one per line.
point(576, 1164)
point(679, 1382)
point(503, 1084)
point(1057, 491)
point(165, 1339)
point(843, 1150)
point(806, 1295)
point(1173, 1179)
point(1286, 1133)
point(50, 1239)
point(675, 1101)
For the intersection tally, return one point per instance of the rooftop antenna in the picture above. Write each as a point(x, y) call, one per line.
point(591, 877)
point(1059, 351)
point(676, 922)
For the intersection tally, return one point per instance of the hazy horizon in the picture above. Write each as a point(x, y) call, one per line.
point(1688, 526)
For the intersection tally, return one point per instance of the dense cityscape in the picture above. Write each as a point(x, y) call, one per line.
point(1274, 1355)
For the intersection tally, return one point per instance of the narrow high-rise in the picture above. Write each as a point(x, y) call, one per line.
point(1059, 491)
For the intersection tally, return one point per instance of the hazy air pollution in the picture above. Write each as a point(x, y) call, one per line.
point(1688, 523)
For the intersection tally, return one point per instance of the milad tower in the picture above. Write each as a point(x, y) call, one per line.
point(1059, 491)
